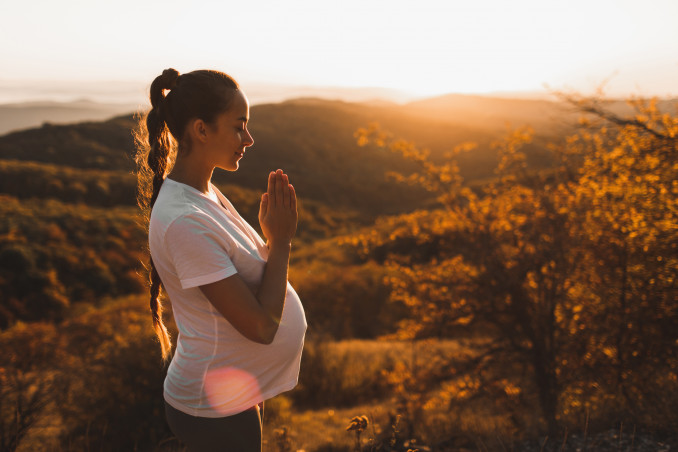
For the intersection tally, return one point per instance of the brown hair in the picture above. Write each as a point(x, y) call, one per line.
point(202, 94)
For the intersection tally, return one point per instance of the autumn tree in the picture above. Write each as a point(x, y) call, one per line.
point(26, 388)
point(570, 271)
point(626, 218)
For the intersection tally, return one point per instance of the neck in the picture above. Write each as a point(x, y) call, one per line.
point(192, 172)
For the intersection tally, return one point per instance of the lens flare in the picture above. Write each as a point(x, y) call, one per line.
point(230, 384)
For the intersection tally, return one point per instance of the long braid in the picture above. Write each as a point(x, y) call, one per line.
point(202, 94)
point(158, 162)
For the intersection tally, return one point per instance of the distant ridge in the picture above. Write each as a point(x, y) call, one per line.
point(474, 108)
point(515, 108)
point(533, 112)
point(26, 115)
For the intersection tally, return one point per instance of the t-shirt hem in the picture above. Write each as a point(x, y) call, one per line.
point(211, 413)
point(207, 279)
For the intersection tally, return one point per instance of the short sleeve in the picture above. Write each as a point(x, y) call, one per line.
point(199, 251)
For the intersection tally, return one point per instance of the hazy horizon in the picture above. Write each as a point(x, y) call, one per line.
point(128, 93)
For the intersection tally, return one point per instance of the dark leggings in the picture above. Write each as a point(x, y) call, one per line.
point(239, 432)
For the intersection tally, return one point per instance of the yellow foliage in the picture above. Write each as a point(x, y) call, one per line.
point(576, 262)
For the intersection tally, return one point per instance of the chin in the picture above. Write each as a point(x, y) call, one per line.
point(231, 167)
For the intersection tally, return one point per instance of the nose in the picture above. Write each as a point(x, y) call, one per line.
point(248, 140)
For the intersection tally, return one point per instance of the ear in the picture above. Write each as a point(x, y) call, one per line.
point(197, 128)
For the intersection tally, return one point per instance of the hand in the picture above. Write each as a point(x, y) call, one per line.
point(278, 210)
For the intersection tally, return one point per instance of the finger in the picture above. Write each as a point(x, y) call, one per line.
point(263, 206)
point(279, 200)
point(271, 182)
point(286, 190)
point(272, 195)
point(293, 198)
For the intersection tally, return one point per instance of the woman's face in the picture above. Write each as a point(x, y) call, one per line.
point(229, 136)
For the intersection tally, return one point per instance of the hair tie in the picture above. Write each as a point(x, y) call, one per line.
point(170, 77)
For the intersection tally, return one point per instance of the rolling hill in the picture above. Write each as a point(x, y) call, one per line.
point(313, 140)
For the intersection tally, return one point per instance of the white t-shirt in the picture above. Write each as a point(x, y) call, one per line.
point(215, 370)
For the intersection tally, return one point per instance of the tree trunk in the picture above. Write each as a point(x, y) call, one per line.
point(545, 379)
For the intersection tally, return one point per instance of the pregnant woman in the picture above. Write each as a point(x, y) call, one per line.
point(241, 324)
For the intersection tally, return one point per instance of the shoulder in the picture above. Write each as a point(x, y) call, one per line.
point(193, 220)
point(178, 208)
point(190, 233)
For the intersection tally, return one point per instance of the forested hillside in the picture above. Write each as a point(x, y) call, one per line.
point(312, 140)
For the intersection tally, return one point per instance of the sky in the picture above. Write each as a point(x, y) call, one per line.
point(421, 47)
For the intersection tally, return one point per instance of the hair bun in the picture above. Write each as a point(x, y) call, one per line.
point(169, 78)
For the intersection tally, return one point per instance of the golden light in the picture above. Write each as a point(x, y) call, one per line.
point(427, 47)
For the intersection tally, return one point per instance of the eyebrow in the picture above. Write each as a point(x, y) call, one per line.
point(243, 118)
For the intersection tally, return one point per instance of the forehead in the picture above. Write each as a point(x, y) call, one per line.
point(240, 106)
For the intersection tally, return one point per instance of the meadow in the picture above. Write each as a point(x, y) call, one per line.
point(474, 287)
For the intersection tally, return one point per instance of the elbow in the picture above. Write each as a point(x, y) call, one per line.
point(267, 340)
point(266, 333)
point(270, 336)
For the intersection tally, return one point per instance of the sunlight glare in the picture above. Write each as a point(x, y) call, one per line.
point(230, 383)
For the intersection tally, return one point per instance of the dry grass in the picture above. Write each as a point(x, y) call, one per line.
point(351, 372)
point(325, 429)
point(344, 379)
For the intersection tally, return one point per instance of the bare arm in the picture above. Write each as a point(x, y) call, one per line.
point(257, 316)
